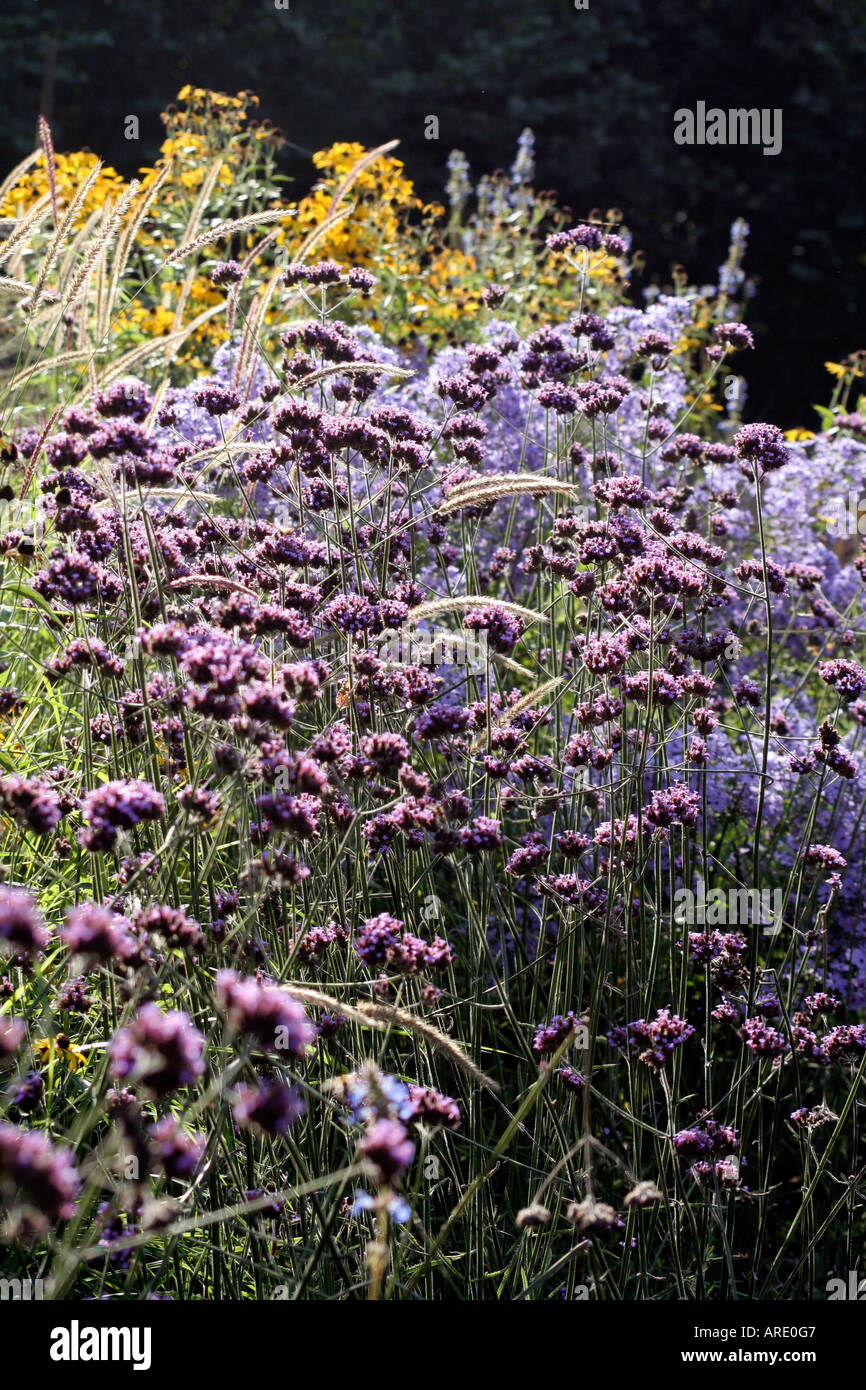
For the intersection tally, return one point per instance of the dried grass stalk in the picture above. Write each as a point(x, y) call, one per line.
point(48, 150)
point(525, 702)
point(127, 240)
point(20, 169)
point(477, 492)
point(363, 163)
point(389, 1013)
point(34, 457)
point(226, 229)
point(24, 227)
point(98, 246)
point(67, 222)
point(461, 601)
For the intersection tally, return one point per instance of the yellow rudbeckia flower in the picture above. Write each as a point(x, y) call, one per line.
point(62, 1046)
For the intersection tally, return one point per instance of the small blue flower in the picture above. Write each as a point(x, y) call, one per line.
point(399, 1210)
point(397, 1207)
point(363, 1202)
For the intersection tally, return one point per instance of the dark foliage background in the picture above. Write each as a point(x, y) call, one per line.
point(598, 86)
